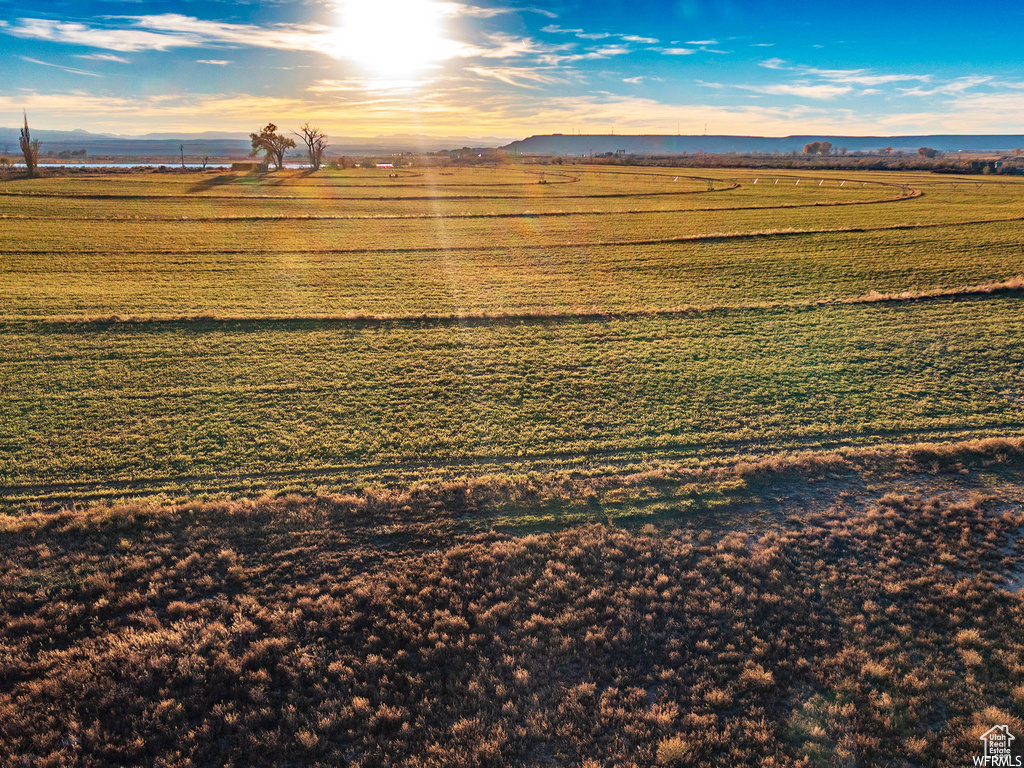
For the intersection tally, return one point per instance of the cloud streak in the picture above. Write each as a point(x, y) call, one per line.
point(806, 91)
point(103, 57)
point(73, 33)
point(69, 70)
point(523, 77)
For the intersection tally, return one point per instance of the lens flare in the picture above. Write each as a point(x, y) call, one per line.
point(395, 38)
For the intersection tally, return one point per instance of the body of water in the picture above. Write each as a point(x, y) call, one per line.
point(189, 166)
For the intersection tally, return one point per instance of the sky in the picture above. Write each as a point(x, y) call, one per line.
point(514, 69)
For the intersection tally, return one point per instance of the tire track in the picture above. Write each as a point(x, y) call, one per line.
point(1011, 286)
point(80, 491)
point(456, 216)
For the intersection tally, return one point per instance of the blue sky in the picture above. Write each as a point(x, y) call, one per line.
point(505, 69)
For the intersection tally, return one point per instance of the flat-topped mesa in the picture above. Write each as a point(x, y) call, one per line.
point(587, 144)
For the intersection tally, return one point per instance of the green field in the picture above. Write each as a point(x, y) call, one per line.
point(210, 333)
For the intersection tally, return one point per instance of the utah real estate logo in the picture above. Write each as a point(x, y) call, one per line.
point(997, 741)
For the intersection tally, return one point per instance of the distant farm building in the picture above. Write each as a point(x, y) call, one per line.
point(385, 165)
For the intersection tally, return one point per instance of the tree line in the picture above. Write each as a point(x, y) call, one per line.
point(824, 149)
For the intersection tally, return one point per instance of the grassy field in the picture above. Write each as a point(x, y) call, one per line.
point(582, 466)
point(211, 406)
point(329, 331)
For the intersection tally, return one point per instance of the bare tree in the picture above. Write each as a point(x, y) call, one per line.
point(927, 152)
point(316, 142)
point(29, 148)
point(272, 143)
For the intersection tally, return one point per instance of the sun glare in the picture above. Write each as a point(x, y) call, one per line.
point(395, 38)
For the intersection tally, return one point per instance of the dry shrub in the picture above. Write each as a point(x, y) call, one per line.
point(265, 631)
point(675, 750)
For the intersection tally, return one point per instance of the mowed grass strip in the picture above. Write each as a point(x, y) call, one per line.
point(152, 403)
point(205, 197)
point(681, 198)
point(713, 273)
point(248, 234)
point(358, 183)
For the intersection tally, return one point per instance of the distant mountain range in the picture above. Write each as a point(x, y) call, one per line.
point(223, 144)
point(562, 144)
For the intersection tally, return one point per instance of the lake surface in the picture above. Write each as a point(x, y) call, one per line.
point(190, 166)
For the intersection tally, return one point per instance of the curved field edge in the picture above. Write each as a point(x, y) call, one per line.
point(667, 491)
point(996, 287)
point(871, 616)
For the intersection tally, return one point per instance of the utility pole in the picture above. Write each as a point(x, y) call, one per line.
point(181, 147)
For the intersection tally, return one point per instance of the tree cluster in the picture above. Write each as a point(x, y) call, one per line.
point(274, 144)
point(823, 148)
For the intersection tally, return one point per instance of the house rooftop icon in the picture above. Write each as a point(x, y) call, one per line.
point(997, 740)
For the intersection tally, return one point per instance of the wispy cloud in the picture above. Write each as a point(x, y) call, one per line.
point(676, 51)
point(560, 57)
point(499, 45)
point(214, 62)
point(607, 51)
point(702, 42)
point(171, 30)
point(366, 85)
point(831, 82)
point(523, 77)
point(60, 67)
point(859, 76)
point(956, 86)
point(286, 37)
point(554, 29)
point(804, 91)
point(125, 40)
point(539, 11)
point(103, 57)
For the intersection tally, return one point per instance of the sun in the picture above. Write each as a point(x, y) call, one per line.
point(395, 38)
